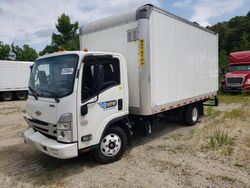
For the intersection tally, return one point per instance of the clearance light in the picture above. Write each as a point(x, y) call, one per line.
point(248, 81)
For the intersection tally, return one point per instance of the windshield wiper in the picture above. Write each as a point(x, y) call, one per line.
point(33, 92)
point(54, 95)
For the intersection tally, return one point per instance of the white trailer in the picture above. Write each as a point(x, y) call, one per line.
point(149, 62)
point(14, 77)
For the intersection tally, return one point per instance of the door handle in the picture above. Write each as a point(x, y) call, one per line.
point(120, 104)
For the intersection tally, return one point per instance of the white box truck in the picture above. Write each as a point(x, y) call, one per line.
point(138, 65)
point(14, 78)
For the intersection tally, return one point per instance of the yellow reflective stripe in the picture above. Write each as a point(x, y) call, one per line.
point(142, 55)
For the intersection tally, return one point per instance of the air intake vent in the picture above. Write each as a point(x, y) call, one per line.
point(132, 35)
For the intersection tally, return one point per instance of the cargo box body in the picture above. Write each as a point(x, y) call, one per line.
point(171, 62)
point(14, 75)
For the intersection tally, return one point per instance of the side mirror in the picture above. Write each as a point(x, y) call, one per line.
point(31, 67)
point(84, 109)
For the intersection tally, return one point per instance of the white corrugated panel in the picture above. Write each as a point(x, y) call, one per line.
point(183, 60)
point(14, 75)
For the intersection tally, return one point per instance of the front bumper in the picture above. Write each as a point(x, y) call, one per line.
point(231, 89)
point(49, 146)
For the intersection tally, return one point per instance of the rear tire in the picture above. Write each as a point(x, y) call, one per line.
point(7, 96)
point(191, 114)
point(21, 95)
point(112, 146)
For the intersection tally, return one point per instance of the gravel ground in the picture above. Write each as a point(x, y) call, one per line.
point(172, 156)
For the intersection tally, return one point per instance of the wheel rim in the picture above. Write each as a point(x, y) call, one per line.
point(7, 96)
point(194, 114)
point(21, 95)
point(110, 145)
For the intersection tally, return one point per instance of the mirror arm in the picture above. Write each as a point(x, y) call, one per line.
point(97, 98)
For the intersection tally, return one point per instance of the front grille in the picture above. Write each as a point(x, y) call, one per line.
point(236, 81)
point(44, 127)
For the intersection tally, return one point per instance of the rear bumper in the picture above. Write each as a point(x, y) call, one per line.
point(49, 146)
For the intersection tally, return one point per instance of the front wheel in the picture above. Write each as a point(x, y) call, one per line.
point(112, 146)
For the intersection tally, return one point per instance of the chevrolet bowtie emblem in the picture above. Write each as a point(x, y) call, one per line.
point(38, 113)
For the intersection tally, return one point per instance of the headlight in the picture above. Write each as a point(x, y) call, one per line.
point(248, 81)
point(64, 128)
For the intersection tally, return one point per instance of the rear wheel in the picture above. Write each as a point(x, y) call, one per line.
point(7, 96)
point(21, 95)
point(112, 146)
point(191, 114)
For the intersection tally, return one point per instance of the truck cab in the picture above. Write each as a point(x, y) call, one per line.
point(237, 79)
point(74, 99)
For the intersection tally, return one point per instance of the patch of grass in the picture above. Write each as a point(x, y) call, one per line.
point(228, 150)
point(238, 165)
point(244, 93)
point(220, 138)
point(232, 98)
point(221, 141)
point(235, 114)
point(226, 178)
point(212, 112)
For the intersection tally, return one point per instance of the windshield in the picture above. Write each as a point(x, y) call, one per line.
point(233, 68)
point(53, 77)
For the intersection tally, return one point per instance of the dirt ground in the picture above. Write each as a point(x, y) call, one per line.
point(213, 153)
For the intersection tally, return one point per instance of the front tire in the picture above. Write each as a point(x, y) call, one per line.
point(191, 114)
point(112, 146)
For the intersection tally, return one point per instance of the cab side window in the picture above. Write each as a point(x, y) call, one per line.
point(99, 74)
point(111, 74)
point(88, 86)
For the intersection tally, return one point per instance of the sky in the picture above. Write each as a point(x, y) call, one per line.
point(32, 22)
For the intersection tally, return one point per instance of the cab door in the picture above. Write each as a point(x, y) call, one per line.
point(100, 97)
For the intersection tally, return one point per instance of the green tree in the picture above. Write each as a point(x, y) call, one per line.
point(67, 37)
point(29, 54)
point(223, 59)
point(4, 51)
point(245, 44)
point(234, 35)
point(17, 52)
point(26, 53)
point(49, 49)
